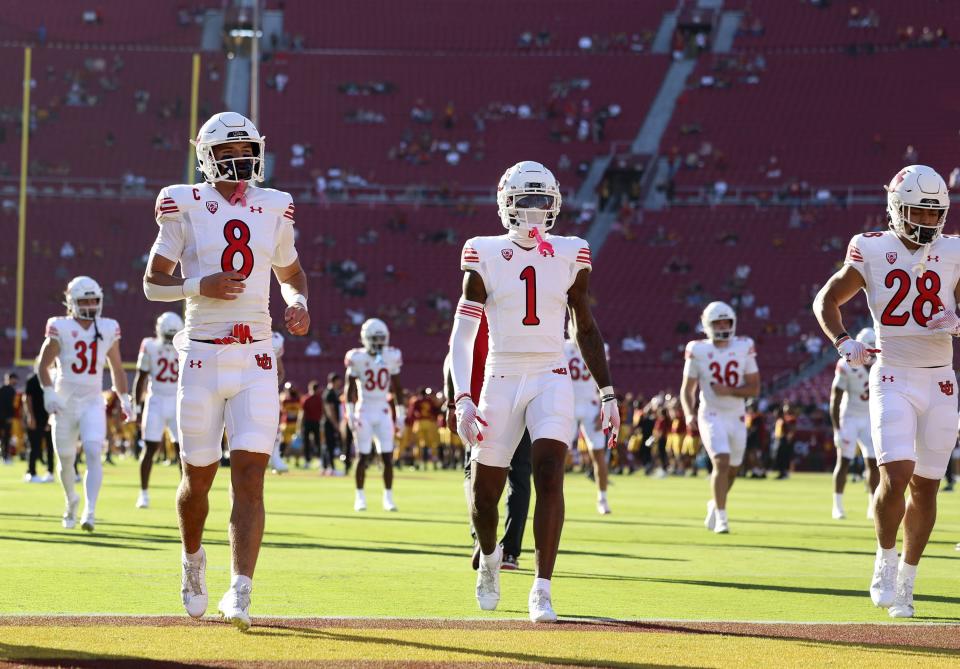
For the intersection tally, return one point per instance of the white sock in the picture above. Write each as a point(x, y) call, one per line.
point(722, 515)
point(602, 496)
point(887, 553)
point(240, 580)
point(67, 475)
point(907, 571)
point(388, 494)
point(359, 492)
point(193, 557)
point(93, 479)
point(838, 500)
point(541, 584)
point(492, 560)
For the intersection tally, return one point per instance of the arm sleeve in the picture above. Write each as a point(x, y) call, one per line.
point(466, 323)
point(750, 366)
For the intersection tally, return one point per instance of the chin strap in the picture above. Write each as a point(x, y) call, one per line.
point(239, 194)
point(544, 247)
point(921, 267)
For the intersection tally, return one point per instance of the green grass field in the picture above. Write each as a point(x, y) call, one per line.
point(785, 560)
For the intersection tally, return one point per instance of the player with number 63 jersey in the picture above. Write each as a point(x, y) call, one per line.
point(228, 236)
point(724, 367)
point(911, 277)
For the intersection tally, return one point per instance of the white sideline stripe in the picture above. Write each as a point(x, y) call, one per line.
point(691, 621)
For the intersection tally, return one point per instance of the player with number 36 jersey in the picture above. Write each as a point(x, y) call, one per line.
point(911, 277)
point(228, 236)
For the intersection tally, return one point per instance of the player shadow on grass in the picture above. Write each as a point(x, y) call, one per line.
point(37, 656)
point(721, 543)
point(385, 516)
point(465, 551)
point(488, 655)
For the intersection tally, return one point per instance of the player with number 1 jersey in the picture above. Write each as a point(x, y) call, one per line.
point(911, 277)
point(229, 236)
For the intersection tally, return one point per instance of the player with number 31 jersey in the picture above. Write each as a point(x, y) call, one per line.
point(911, 277)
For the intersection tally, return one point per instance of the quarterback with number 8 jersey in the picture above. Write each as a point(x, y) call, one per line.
point(911, 277)
point(228, 235)
point(525, 281)
point(724, 367)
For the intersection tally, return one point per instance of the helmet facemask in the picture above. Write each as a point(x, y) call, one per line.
point(902, 220)
point(86, 312)
point(375, 343)
point(529, 206)
point(716, 334)
point(233, 168)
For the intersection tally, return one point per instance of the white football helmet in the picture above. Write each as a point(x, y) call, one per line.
point(528, 197)
point(224, 128)
point(867, 337)
point(83, 288)
point(917, 187)
point(374, 335)
point(168, 325)
point(718, 311)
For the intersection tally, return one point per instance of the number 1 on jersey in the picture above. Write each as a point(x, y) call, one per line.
point(529, 277)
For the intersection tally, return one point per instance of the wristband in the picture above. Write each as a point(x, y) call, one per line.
point(840, 338)
point(298, 299)
point(606, 393)
point(191, 287)
point(456, 400)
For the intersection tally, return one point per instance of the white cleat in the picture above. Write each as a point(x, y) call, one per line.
point(902, 606)
point(277, 464)
point(883, 587)
point(603, 508)
point(388, 504)
point(541, 609)
point(70, 515)
point(488, 581)
point(722, 526)
point(32, 478)
point(234, 607)
point(838, 513)
point(360, 502)
point(88, 522)
point(143, 500)
point(710, 521)
point(193, 585)
point(46, 478)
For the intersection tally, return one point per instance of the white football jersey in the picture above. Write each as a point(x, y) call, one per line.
point(855, 384)
point(585, 388)
point(373, 373)
point(727, 365)
point(277, 340)
point(901, 301)
point(206, 235)
point(526, 299)
point(161, 362)
point(82, 356)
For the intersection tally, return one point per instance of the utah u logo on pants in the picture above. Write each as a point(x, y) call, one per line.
point(264, 361)
point(946, 387)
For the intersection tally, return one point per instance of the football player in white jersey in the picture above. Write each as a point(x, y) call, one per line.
point(724, 366)
point(911, 276)
point(155, 389)
point(79, 344)
point(524, 281)
point(850, 415)
point(373, 373)
point(586, 402)
point(228, 236)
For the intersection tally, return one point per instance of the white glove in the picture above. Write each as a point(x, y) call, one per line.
point(126, 407)
point(945, 321)
point(401, 412)
point(609, 416)
point(854, 352)
point(469, 421)
point(52, 401)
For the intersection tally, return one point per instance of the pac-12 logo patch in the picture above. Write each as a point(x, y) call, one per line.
point(506, 253)
point(891, 257)
point(212, 206)
point(946, 387)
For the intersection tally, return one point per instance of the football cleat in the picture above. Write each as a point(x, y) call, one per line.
point(360, 501)
point(488, 581)
point(902, 606)
point(193, 585)
point(388, 504)
point(541, 608)
point(722, 527)
point(70, 515)
point(143, 500)
point(88, 523)
point(602, 507)
point(711, 520)
point(883, 587)
point(509, 563)
point(234, 607)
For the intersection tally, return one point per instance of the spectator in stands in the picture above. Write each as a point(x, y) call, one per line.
point(585, 43)
point(67, 251)
point(910, 156)
point(633, 344)
point(313, 349)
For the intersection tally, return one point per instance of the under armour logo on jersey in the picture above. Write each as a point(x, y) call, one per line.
point(212, 206)
point(933, 258)
point(891, 257)
point(946, 387)
point(196, 363)
point(886, 378)
point(264, 361)
point(256, 210)
point(506, 253)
